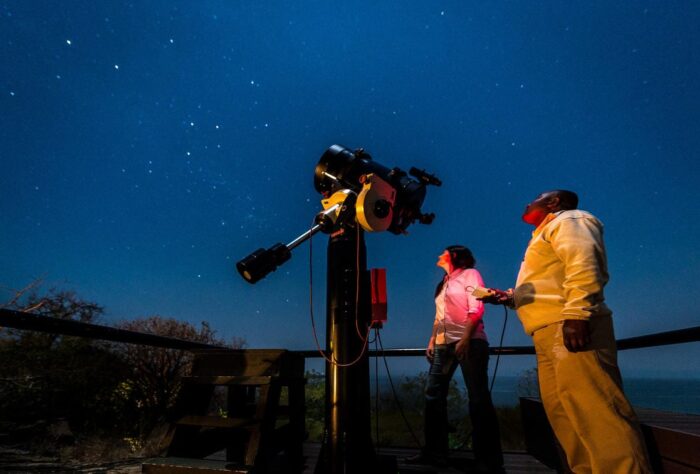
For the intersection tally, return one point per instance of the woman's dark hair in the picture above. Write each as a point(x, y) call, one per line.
point(461, 257)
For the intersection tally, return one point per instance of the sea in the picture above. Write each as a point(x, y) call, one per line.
point(676, 395)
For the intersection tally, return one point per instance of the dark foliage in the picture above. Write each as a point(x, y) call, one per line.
point(150, 389)
point(90, 389)
point(395, 430)
point(46, 377)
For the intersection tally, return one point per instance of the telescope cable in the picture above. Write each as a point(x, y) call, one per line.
point(396, 397)
point(393, 390)
point(498, 358)
point(500, 347)
point(376, 387)
point(332, 360)
point(357, 284)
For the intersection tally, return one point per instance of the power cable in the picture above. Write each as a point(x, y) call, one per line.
point(332, 360)
point(376, 389)
point(498, 358)
point(500, 346)
point(396, 398)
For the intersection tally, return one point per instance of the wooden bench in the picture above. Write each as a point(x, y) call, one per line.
point(257, 423)
point(673, 439)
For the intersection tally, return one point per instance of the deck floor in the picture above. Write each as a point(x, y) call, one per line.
point(516, 462)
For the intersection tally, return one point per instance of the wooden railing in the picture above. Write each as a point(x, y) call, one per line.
point(32, 322)
point(681, 452)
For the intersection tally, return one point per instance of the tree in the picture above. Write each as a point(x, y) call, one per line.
point(156, 373)
point(44, 376)
point(98, 387)
point(64, 305)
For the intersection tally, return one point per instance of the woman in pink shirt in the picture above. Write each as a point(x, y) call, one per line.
point(458, 339)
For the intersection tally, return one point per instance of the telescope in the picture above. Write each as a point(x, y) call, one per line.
point(354, 188)
point(358, 195)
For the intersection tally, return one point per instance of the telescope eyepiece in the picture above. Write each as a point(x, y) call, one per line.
point(258, 264)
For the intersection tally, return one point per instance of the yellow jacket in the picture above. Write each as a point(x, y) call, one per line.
point(563, 272)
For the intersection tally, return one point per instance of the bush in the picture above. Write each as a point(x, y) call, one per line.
point(397, 431)
point(149, 390)
point(45, 377)
point(89, 392)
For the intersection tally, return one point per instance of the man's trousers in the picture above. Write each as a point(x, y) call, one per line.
point(583, 398)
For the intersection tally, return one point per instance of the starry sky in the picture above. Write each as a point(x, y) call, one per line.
point(146, 147)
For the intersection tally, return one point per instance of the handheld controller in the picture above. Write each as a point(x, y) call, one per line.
point(481, 292)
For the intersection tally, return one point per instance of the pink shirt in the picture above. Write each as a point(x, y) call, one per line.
point(455, 304)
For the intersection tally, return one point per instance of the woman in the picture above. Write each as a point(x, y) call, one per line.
point(458, 338)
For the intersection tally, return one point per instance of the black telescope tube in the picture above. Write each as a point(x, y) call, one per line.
point(340, 168)
point(258, 264)
point(345, 168)
point(261, 262)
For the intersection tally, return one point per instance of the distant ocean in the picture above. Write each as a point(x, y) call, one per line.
point(677, 395)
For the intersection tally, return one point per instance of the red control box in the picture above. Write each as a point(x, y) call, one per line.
point(379, 307)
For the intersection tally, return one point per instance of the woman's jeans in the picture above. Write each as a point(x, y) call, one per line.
point(486, 440)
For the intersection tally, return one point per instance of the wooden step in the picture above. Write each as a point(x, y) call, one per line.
point(230, 379)
point(217, 422)
point(175, 465)
point(247, 362)
point(255, 433)
point(242, 380)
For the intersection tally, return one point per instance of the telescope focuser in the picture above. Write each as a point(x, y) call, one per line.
point(425, 177)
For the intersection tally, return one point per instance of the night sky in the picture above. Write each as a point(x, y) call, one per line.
point(148, 146)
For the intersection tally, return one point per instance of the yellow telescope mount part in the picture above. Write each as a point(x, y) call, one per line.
point(375, 203)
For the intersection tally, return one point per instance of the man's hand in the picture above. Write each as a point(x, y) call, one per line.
point(430, 351)
point(462, 349)
point(498, 297)
point(577, 334)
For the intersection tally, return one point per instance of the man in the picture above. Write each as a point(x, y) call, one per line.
point(560, 302)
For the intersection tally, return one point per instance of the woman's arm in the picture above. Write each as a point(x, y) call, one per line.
point(431, 343)
point(475, 311)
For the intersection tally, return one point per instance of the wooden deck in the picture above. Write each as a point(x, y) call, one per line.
point(516, 462)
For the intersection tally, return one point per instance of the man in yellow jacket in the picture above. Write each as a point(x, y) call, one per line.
point(560, 302)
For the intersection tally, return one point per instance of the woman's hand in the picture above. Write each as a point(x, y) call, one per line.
point(462, 349)
point(430, 351)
